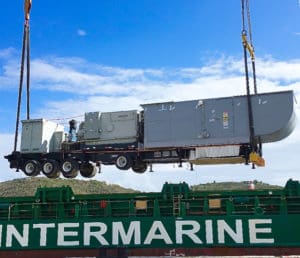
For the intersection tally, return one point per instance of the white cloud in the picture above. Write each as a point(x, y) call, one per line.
point(6, 53)
point(97, 87)
point(81, 32)
point(76, 76)
point(286, 71)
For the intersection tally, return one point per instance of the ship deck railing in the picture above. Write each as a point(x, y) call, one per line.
point(147, 207)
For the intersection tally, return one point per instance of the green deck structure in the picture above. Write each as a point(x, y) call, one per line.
point(174, 200)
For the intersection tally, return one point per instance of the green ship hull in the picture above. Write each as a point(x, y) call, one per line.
point(175, 222)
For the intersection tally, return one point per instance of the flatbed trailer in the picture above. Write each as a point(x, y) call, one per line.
point(55, 222)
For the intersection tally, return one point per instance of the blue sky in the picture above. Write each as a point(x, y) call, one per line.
point(117, 54)
point(151, 33)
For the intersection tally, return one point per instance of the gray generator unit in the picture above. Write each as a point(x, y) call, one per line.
point(218, 121)
point(109, 127)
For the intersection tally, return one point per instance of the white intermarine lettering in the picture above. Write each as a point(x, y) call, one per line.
point(88, 233)
point(224, 227)
point(13, 232)
point(157, 226)
point(133, 230)
point(43, 232)
point(253, 231)
point(209, 232)
point(191, 233)
point(62, 233)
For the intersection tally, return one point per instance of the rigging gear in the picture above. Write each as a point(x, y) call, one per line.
point(255, 144)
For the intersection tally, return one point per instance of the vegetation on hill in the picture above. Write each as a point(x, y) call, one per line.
point(28, 186)
point(232, 186)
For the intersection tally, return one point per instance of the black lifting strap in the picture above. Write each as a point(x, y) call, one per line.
point(25, 48)
point(28, 73)
point(250, 110)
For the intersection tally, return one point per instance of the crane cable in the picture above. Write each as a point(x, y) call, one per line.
point(25, 48)
point(249, 47)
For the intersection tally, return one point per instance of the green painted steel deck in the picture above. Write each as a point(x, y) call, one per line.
point(56, 218)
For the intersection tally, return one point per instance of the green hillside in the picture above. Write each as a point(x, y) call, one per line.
point(28, 186)
point(232, 186)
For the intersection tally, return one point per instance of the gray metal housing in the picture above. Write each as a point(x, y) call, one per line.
point(41, 136)
point(110, 127)
point(218, 121)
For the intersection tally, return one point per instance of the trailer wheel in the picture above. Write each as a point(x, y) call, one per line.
point(50, 168)
point(123, 162)
point(31, 168)
point(69, 168)
point(139, 167)
point(88, 170)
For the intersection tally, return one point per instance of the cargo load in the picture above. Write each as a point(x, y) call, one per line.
point(202, 131)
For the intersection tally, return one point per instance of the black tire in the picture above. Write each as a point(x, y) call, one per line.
point(88, 170)
point(50, 168)
point(69, 168)
point(123, 162)
point(139, 167)
point(31, 168)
